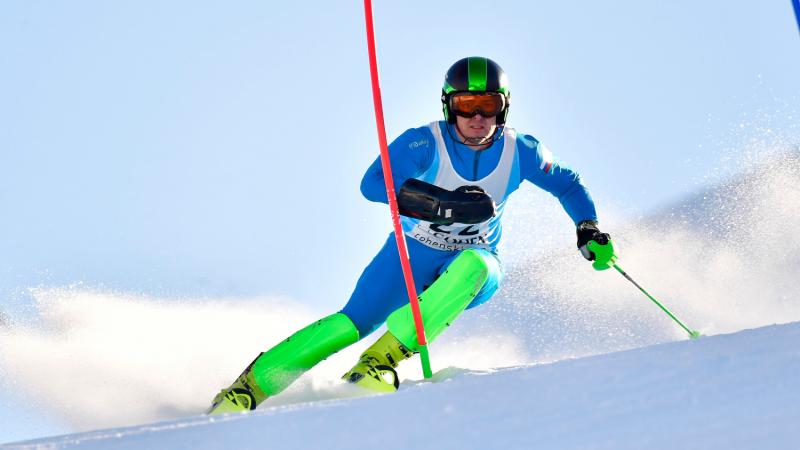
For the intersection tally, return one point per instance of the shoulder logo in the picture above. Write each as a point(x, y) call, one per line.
point(418, 143)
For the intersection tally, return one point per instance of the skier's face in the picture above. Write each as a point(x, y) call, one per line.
point(476, 130)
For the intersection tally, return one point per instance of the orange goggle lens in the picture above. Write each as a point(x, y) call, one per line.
point(469, 105)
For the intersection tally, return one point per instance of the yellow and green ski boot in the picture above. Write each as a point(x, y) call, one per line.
point(377, 363)
point(232, 400)
point(274, 370)
point(242, 396)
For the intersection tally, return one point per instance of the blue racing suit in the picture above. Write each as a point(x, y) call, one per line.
point(418, 153)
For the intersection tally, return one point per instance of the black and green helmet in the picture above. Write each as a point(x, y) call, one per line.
point(474, 74)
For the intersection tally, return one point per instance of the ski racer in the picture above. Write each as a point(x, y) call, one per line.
point(452, 179)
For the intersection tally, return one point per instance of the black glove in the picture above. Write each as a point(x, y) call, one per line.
point(588, 231)
point(467, 204)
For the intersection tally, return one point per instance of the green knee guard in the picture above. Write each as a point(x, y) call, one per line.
point(278, 367)
point(443, 301)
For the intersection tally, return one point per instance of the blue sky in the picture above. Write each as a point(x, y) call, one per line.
point(196, 148)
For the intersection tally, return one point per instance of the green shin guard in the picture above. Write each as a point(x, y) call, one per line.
point(275, 369)
point(443, 301)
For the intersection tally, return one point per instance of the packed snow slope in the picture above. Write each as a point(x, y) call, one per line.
point(736, 391)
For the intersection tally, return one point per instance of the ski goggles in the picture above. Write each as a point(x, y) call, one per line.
point(487, 104)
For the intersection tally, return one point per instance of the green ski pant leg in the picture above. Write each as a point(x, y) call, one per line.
point(277, 368)
point(443, 301)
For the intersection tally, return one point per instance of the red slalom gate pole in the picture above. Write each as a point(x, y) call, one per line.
point(390, 193)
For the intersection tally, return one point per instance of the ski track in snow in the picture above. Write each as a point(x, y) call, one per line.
point(735, 391)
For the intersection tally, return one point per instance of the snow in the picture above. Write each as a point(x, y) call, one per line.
point(733, 391)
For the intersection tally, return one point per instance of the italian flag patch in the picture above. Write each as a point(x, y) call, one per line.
point(547, 158)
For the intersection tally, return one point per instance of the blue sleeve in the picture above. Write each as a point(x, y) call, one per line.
point(410, 155)
point(540, 167)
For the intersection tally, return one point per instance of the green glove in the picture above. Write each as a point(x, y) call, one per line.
point(604, 256)
point(595, 245)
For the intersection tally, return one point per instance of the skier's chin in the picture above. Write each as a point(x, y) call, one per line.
point(481, 134)
point(477, 140)
point(475, 133)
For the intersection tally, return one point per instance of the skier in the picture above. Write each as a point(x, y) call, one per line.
point(452, 179)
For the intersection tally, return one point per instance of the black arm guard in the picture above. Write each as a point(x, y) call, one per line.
point(421, 200)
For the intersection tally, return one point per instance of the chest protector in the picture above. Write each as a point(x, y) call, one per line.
point(460, 236)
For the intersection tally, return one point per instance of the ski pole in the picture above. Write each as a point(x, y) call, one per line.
point(692, 334)
point(399, 235)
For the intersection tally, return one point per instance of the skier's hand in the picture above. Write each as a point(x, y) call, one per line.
point(472, 204)
point(595, 245)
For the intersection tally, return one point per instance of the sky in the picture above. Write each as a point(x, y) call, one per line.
point(196, 150)
point(188, 148)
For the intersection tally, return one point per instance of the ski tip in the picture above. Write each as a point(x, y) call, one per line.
point(694, 335)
